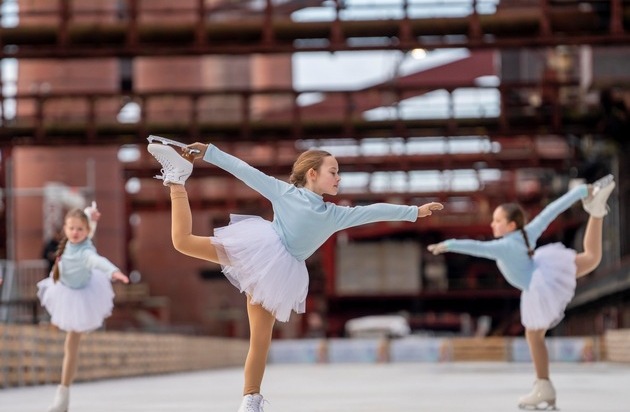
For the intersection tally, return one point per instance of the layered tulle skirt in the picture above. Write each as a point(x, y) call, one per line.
point(551, 288)
point(78, 310)
point(256, 261)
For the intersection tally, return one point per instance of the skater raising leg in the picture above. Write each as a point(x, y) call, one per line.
point(265, 260)
point(546, 275)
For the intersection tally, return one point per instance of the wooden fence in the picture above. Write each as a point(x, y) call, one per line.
point(617, 344)
point(32, 355)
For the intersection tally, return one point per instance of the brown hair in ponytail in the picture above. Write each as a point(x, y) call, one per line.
point(515, 213)
point(311, 159)
point(78, 213)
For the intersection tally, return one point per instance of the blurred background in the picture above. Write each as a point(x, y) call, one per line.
point(465, 102)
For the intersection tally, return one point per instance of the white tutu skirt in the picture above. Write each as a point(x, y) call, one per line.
point(551, 289)
point(78, 310)
point(256, 261)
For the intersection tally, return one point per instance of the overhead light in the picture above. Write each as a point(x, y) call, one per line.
point(419, 54)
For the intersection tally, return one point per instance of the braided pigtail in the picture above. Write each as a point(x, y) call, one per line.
point(530, 251)
point(60, 249)
point(515, 213)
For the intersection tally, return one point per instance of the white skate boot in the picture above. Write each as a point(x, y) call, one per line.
point(595, 204)
point(175, 169)
point(542, 397)
point(62, 399)
point(252, 403)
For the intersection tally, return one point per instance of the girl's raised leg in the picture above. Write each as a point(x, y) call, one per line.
point(589, 259)
point(184, 241)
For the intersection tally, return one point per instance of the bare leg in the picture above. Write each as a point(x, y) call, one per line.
point(260, 328)
point(184, 241)
point(588, 260)
point(538, 350)
point(70, 358)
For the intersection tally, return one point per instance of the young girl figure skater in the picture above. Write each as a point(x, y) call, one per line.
point(78, 293)
point(263, 259)
point(546, 275)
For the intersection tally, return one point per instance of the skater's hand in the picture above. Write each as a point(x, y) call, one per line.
point(92, 212)
point(428, 208)
point(201, 147)
point(93, 216)
point(119, 276)
point(437, 248)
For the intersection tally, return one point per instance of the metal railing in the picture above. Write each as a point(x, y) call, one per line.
point(137, 27)
point(386, 110)
point(18, 294)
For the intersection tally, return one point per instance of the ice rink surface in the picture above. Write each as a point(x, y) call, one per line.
point(392, 387)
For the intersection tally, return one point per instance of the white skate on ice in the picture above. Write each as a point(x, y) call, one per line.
point(541, 398)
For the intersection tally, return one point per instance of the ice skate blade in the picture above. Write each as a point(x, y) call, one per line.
point(153, 138)
point(604, 181)
point(546, 406)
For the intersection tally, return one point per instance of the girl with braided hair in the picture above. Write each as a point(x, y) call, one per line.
point(78, 293)
point(545, 275)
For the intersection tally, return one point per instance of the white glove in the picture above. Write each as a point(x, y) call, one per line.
point(92, 218)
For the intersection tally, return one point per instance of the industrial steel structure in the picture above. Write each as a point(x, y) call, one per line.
point(81, 62)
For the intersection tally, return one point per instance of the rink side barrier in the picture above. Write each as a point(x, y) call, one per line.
point(617, 344)
point(613, 346)
point(32, 355)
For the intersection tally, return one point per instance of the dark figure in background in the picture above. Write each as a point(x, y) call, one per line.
point(615, 121)
point(49, 252)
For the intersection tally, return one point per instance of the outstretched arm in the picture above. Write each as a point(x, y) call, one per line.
point(346, 217)
point(267, 186)
point(491, 249)
point(538, 225)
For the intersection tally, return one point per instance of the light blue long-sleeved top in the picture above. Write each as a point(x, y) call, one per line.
point(510, 251)
point(301, 217)
point(77, 262)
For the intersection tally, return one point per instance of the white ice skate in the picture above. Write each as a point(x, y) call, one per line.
point(62, 400)
point(542, 397)
point(252, 403)
point(175, 169)
point(595, 204)
point(153, 138)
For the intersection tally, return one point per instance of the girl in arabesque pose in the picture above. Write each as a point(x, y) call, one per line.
point(545, 275)
point(265, 260)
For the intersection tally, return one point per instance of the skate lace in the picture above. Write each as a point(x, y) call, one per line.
point(254, 405)
point(167, 166)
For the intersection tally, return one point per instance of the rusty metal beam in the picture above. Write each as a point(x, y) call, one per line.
point(341, 117)
point(507, 28)
point(105, 134)
point(402, 163)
